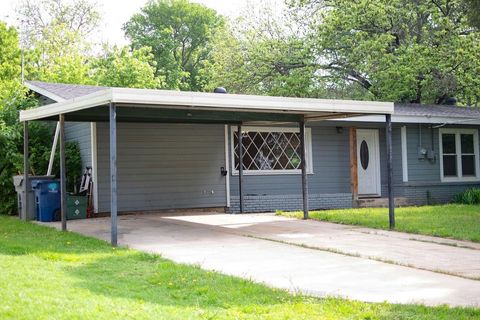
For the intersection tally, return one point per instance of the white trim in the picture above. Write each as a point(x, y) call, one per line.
point(93, 145)
point(209, 101)
point(404, 154)
point(44, 92)
point(227, 167)
point(308, 144)
point(411, 119)
point(458, 151)
point(378, 172)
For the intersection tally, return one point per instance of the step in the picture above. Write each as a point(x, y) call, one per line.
point(381, 202)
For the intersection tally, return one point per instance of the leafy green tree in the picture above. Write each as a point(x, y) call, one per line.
point(472, 7)
point(180, 34)
point(54, 33)
point(421, 51)
point(9, 62)
point(264, 52)
point(125, 67)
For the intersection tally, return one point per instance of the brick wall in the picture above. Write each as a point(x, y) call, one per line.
point(269, 203)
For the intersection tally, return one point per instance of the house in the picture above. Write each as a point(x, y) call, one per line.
point(180, 150)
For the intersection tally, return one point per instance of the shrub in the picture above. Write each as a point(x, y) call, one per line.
point(40, 144)
point(469, 196)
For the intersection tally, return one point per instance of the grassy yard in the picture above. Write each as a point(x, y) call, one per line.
point(47, 274)
point(449, 221)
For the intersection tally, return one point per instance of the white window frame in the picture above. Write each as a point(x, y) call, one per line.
point(308, 147)
point(458, 150)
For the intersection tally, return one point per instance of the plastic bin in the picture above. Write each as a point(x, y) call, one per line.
point(47, 199)
point(76, 207)
point(31, 213)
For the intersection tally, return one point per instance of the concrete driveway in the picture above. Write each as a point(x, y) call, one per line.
point(308, 256)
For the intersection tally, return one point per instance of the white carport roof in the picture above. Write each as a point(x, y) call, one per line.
point(95, 105)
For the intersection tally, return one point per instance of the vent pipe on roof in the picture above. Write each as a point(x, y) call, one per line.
point(220, 90)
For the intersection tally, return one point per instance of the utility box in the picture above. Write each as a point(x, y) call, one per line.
point(47, 199)
point(76, 207)
point(30, 213)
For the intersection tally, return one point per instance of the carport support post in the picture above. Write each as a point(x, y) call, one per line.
point(303, 165)
point(391, 199)
point(240, 166)
point(26, 168)
point(113, 173)
point(63, 175)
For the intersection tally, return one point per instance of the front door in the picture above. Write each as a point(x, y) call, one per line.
point(368, 163)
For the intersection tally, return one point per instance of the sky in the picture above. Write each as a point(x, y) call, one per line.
point(117, 12)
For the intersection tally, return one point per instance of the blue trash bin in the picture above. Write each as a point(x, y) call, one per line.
point(47, 199)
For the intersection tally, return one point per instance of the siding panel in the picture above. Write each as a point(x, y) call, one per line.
point(80, 132)
point(162, 166)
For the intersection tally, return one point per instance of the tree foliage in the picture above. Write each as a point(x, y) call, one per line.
point(125, 67)
point(180, 34)
point(9, 62)
point(420, 51)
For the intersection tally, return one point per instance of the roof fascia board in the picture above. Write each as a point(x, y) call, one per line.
point(242, 102)
point(88, 101)
point(44, 92)
point(412, 119)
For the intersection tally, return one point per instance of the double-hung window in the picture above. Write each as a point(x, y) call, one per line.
point(271, 150)
point(459, 154)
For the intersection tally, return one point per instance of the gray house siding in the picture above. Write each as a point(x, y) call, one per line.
point(80, 132)
point(163, 166)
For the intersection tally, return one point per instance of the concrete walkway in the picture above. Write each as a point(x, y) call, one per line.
point(230, 244)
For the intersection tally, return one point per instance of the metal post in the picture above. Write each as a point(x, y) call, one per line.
point(303, 165)
point(113, 173)
point(63, 175)
point(26, 170)
point(391, 200)
point(240, 166)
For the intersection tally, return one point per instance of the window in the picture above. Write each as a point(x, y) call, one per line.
point(270, 150)
point(459, 154)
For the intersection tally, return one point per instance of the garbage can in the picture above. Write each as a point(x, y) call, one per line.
point(47, 199)
point(76, 207)
point(31, 213)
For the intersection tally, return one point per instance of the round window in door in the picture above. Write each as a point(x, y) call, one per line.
point(364, 155)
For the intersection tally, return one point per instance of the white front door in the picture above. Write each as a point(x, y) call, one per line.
point(368, 163)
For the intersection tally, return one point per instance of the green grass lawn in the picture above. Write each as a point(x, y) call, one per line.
point(449, 221)
point(47, 274)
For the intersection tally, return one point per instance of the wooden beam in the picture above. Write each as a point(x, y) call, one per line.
point(391, 199)
point(303, 165)
point(63, 174)
point(352, 133)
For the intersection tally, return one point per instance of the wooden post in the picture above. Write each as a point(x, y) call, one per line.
point(63, 174)
point(352, 133)
point(240, 166)
point(303, 165)
point(26, 170)
point(113, 173)
point(391, 199)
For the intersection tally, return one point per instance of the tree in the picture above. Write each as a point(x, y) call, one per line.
point(9, 62)
point(419, 51)
point(180, 34)
point(472, 8)
point(124, 67)
point(264, 53)
point(54, 33)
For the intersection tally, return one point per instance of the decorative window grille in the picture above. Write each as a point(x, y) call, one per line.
point(270, 150)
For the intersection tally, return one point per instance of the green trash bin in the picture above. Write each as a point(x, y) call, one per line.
point(76, 207)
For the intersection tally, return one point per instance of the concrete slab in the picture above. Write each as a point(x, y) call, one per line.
point(461, 258)
point(281, 265)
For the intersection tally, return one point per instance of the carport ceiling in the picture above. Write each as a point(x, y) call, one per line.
point(141, 105)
